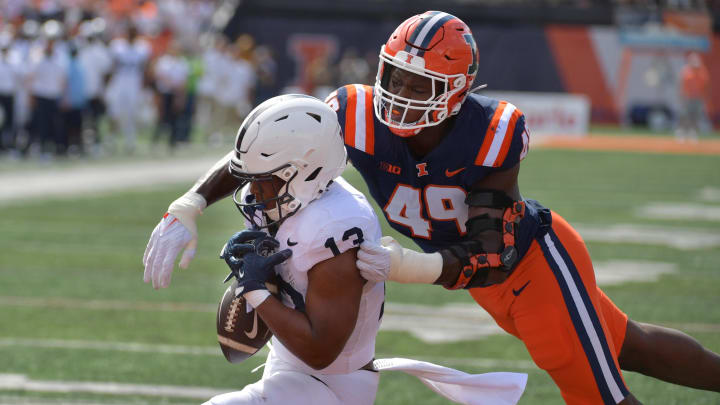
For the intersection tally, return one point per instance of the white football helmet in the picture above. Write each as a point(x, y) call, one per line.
point(296, 138)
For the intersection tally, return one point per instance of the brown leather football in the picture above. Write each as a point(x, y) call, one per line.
point(240, 331)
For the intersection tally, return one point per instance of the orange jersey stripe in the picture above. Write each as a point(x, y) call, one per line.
point(490, 134)
point(350, 115)
point(508, 138)
point(369, 121)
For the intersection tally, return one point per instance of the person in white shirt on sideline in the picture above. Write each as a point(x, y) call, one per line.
point(48, 77)
point(97, 62)
point(124, 92)
point(8, 86)
point(171, 73)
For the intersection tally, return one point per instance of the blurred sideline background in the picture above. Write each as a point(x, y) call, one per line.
point(112, 109)
point(82, 78)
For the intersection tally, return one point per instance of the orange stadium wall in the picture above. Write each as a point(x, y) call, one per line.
point(591, 61)
point(579, 70)
point(712, 61)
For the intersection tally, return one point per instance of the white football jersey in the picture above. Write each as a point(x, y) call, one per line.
point(340, 220)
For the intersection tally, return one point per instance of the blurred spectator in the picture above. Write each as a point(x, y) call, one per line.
point(353, 68)
point(234, 90)
point(266, 68)
point(97, 62)
point(47, 83)
point(171, 73)
point(694, 81)
point(8, 86)
point(322, 77)
point(75, 102)
point(124, 95)
point(187, 113)
point(213, 59)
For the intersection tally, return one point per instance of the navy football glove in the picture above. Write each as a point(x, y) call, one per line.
point(251, 257)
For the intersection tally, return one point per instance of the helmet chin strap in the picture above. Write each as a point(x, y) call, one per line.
point(478, 88)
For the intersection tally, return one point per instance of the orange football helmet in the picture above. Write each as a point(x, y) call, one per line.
point(436, 45)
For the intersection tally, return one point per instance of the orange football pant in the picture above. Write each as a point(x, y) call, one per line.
point(570, 327)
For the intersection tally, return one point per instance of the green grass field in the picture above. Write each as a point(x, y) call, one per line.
point(73, 307)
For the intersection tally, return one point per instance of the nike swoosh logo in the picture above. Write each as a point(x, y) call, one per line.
point(289, 243)
point(253, 331)
point(449, 173)
point(519, 290)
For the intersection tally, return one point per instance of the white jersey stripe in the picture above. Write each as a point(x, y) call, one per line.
point(360, 143)
point(586, 322)
point(499, 135)
point(421, 37)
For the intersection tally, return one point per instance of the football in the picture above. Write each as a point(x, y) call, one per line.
point(240, 331)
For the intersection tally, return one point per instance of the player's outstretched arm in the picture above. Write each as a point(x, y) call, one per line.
point(177, 230)
point(318, 335)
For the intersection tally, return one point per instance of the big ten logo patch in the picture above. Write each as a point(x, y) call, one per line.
point(390, 168)
point(312, 54)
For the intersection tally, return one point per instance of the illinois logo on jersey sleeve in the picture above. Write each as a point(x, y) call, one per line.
point(354, 106)
point(506, 138)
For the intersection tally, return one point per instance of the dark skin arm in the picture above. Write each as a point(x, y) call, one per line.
point(331, 308)
point(217, 183)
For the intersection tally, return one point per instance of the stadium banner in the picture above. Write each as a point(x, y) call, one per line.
point(550, 113)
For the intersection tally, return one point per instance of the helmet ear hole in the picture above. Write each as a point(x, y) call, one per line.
point(314, 174)
point(459, 82)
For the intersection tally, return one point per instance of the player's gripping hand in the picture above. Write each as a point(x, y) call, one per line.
point(374, 259)
point(176, 231)
point(390, 261)
point(252, 257)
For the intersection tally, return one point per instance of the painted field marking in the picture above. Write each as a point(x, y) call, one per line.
point(682, 211)
point(93, 179)
point(674, 237)
point(615, 272)
point(710, 194)
point(22, 382)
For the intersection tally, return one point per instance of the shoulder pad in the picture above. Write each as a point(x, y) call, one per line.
point(505, 140)
point(354, 106)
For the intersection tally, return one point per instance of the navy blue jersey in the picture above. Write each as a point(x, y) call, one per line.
point(425, 198)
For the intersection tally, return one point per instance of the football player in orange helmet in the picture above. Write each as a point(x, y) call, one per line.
point(440, 49)
point(443, 164)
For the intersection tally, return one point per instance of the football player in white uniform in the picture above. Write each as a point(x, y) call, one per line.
point(289, 155)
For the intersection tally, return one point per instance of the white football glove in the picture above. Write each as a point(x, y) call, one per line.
point(374, 259)
point(177, 230)
point(390, 261)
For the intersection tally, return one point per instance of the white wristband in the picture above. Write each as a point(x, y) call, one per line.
point(411, 267)
point(256, 297)
point(415, 267)
point(187, 208)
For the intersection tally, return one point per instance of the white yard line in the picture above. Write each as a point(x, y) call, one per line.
point(95, 178)
point(710, 194)
point(22, 382)
point(673, 237)
point(680, 211)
